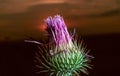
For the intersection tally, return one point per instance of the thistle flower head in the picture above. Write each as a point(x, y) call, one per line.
point(69, 58)
point(58, 30)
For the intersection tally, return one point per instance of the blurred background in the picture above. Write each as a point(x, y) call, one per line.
point(97, 21)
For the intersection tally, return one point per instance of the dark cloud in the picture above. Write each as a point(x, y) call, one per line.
point(115, 12)
point(2, 1)
point(109, 13)
point(118, 1)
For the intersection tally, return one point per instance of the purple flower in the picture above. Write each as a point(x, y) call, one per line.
point(56, 27)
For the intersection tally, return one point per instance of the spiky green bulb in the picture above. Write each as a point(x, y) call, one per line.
point(64, 56)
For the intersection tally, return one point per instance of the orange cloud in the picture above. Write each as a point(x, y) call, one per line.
point(17, 6)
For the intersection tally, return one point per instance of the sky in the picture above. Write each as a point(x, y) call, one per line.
point(20, 19)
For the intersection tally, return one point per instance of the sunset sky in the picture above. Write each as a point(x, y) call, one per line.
point(20, 19)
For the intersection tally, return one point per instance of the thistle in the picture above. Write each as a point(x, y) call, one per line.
point(63, 55)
